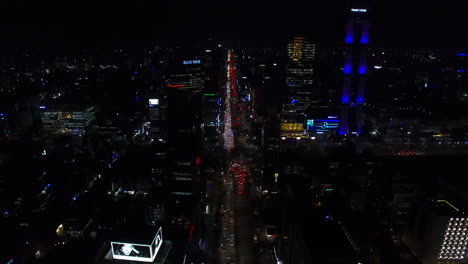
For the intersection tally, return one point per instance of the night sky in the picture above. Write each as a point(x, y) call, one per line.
point(413, 23)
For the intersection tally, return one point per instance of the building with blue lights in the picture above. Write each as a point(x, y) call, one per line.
point(354, 70)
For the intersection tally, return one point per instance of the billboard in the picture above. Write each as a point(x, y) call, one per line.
point(153, 101)
point(137, 252)
point(192, 62)
point(322, 125)
point(292, 127)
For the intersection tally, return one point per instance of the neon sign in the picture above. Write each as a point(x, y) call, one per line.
point(358, 10)
point(191, 62)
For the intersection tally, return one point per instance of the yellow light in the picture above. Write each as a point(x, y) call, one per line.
point(447, 202)
point(292, 127)
point(60, 230)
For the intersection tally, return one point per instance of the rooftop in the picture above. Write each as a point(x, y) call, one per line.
point(69, 108)
point(135, 234)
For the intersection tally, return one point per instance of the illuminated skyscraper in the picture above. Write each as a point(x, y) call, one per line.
point(301, 50)
point(299, 80)
point(355, 70)
point(68, 120)
point(154, 110)
point(187, 75)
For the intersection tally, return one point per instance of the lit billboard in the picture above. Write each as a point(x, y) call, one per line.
point(292, 127)
point(322, 125)
point(137, 252)
point(153, 101)
point(192, 62)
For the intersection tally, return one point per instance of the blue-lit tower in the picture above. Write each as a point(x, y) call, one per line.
point(355, 70)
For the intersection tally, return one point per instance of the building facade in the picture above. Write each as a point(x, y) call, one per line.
point(299, 78)
point(297, 96)
point(68, 120)
point(355, 71)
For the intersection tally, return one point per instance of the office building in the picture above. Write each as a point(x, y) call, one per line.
point(355, 71)
point(154, 116)
point(186, 75)
point(299, 79)
point(68, 120)
point(297, 96)
point(182, 183)
point(461, 77)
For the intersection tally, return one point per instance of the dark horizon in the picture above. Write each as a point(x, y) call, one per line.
point(394, 24)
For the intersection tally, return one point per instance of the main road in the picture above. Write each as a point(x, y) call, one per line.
point(236, 189)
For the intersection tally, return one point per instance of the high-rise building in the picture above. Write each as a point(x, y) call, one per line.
point(461, 79)
point(154, 115)
point(299, 81)
point(301, 50)
point(187, 75)
point(183, 180)
point(67, 120)
point(355, 70)
point(299, 78)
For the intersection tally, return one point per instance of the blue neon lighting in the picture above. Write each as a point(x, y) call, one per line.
point(461, 71)
point(48, 185)
point(362, 69)
point(365, 34)
point(137, 98)
point(364, 39)
point(293, 101)
point(1, 114)
point(349, 33)
point(342, 132)
point(135, 72)
point(347, 68)
point(461, 54)
point(42, 107)
point(345, 99)
point(322, 124)
point(360, 99)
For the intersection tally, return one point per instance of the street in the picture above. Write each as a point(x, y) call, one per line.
point(233, 194)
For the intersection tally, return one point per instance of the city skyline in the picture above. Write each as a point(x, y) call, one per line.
point(230, 132)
